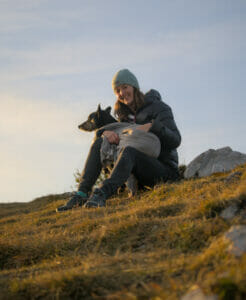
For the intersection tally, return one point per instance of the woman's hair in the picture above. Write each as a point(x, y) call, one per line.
point(122, 111)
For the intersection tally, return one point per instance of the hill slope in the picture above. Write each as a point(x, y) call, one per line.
point(154, 246)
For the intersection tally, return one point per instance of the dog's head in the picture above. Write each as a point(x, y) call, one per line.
point(97, 119)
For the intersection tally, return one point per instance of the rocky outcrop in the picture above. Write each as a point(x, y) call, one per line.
point(230, 212)
point(214, 161)
point(236, 236)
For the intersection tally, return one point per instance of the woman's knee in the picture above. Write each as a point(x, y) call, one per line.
point(128, 150)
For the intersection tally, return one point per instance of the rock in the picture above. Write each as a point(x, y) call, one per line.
point(196, 293)
point(214, 161)
point(233, 177)
point(243, 213)
point(229, 212)
point(154, 228)
point(237, 238)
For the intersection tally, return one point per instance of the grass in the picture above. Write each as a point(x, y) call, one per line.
point(153, 246)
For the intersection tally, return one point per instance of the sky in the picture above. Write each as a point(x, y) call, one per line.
point(57, 60)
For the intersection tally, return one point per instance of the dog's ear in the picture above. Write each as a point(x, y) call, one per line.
point(108, 109)
point(99, 107)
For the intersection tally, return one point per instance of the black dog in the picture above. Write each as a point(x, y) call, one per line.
point(97, 119)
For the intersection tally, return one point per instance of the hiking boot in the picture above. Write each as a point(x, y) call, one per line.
point(79, 199)
point(97, 199)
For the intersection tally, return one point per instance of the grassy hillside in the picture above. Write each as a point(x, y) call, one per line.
point(154, 246)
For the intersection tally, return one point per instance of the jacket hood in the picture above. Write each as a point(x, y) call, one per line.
point(152, 96)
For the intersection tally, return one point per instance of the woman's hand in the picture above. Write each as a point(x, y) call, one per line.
point(111, 136)
point(144, 127)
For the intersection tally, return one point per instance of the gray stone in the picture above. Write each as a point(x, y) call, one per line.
point(242, 213)
point(233, 177)
point(154, 228)
point(229, 212)
point(237, 239)
point(214, 161)
point(196, 293)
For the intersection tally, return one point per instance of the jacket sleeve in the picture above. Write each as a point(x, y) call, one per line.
point(163, 125)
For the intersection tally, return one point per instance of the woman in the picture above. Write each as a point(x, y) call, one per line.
point(153, 115)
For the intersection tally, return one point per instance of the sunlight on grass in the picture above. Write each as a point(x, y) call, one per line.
point(153, 246)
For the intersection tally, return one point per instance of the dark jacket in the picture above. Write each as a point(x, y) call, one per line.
point(160, 114)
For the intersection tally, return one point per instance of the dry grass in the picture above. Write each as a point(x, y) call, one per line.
point(154, 246)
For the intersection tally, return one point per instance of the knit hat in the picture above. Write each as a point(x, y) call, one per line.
point(124, 77)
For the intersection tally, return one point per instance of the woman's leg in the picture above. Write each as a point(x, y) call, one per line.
point(148, 170)
point(89, 176)
point(92, 168)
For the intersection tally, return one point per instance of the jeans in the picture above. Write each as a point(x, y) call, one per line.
point(147, 170)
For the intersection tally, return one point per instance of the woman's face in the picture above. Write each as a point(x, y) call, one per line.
point(125, 94)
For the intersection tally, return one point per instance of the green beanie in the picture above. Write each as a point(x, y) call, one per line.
point(124, 77)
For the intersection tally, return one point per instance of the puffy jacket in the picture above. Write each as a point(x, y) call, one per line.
point(163, 125)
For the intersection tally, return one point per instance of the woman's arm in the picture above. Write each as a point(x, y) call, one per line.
point(165, 128)
point(111, 136)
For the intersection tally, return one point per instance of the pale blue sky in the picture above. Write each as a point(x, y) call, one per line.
point(57, 59)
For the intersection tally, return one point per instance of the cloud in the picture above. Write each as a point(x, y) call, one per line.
point(16, 16)
point(28, 16)
point(80, 56)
